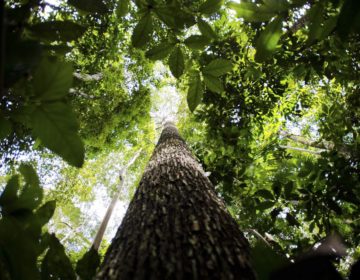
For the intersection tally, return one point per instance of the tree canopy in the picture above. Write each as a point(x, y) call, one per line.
point(265, 92)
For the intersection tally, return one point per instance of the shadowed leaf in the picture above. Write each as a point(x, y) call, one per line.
point(176, 62)
point(195, 92)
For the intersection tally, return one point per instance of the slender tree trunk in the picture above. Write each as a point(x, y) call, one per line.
point(176, 227)
point(100, 234)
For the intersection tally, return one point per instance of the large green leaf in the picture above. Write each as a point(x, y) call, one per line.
point(90, 6)
point(328, 26)
point(268, 40)
point(315, 20)
point(251, 12)
point(142, 31)
point(264, 194)
point(57, 30)
point(56, 265)
point(213, 83)
point(218, 67)
point(29, 174)
point(349, 18)
point(210, 6)
point(21, 57)
point(265, 205)
point(5, 127)
point(45, 212)
point(56, 126)
point(87, 265)
point(276, 6)
point(122, 8)
point(195, 92)
point(31, 194)
point(19, 247)
point(206, 29)
point(176, 62)
point(174, 17)
point(53, 79)
point(9, 194)
point(160, 51)
point(197, 42)
point(167, 15)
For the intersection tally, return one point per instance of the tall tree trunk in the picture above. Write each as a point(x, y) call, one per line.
point(176, 227)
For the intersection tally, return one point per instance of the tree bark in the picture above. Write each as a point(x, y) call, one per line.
point(176, 227)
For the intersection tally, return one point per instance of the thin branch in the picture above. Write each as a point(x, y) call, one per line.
point(88, 77)
point(323, 145)
point(258, 235)
point(76, 231)
point(301, 149)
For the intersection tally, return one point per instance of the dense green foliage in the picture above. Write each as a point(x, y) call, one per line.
point(269, 103)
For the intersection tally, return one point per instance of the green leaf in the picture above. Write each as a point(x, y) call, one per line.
point(45, 212)
point(19, 247)
point(142, 31)
point(206, 29)
point(174, 17)
point(349, 18)
point(213, 83)
point(218, 67)
point(53, 79)
point(57, 30)
point(21, 55)
point(195, 92)
point(210, 6)
point(61, 49)
point(90, 6)
point(184, 19)
point(87, 265)
point(197, 42)
point(265, 205)
point(292, 220)
point(32, 194)
point(167, 15)
point(56, 126)
point(288, 188)
point(334, 206)
point(265, 260)
point(5, 127)
point(328, 26)
point(276, 6)
point(315, 20)
point(160, 51)
point(268, 40)
point(176, 62)
point(56, 265)
point(251, 12)
point(298, 3)
point(29, 174)
point(122, 8)
point(9, 195)
point(265, 194)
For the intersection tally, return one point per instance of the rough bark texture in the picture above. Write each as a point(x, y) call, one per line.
point(176, 227)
